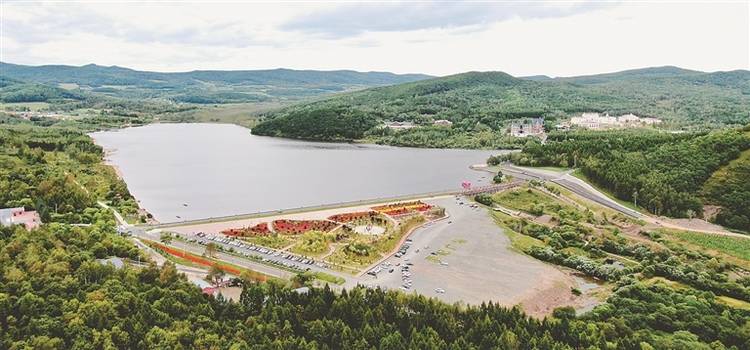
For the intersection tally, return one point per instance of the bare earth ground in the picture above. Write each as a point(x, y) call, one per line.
point(480, 266)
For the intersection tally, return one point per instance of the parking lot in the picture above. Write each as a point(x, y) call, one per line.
point(266, 255)
point(467, 258)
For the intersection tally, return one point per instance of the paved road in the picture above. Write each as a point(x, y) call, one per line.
point(571, 183)
point(266, 268)
point(587, 191)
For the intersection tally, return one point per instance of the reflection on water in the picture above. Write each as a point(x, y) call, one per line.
point(196, 171)
point(587, 285)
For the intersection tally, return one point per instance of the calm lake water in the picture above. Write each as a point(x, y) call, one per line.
point(220, 169)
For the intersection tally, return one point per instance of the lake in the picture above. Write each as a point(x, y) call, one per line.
point(194, 171)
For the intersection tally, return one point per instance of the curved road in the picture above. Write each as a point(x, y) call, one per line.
point(587, 191)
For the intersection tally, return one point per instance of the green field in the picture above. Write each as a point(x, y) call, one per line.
point(734, 246)
point(519, 242)
point(32, 106)
point(531, 201)
point(243, 114)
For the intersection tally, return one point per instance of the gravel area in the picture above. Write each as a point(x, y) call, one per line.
point(467, 258)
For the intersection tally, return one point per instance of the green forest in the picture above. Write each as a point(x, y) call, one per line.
point(667, 174)
point(59, 173)
point(486, 101)
point(55, 295)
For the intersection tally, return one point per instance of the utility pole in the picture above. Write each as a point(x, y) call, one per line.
point(635, 198)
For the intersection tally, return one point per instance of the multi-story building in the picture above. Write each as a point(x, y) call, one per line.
point(527, 127)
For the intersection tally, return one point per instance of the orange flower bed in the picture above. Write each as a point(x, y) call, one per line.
point(260, 229)
point(204, 261)
point(347, 217)
point(402, 208)
point(296, 227)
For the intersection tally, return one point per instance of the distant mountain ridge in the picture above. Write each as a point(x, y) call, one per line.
point(95, 75)
point(206, 86)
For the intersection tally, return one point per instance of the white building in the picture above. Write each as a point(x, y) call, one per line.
point(399, 125)
point(594, 121)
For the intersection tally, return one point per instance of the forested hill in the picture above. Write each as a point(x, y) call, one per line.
point(203, 86)
point(18, 91)
point(488, 99)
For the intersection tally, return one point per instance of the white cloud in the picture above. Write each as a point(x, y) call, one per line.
point(439, 39)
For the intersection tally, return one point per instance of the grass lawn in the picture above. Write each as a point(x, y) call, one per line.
point(734, 246)
point(527, 199)
point(735, 303)
point(298, 249)
point(341, 257)
point(519, 242)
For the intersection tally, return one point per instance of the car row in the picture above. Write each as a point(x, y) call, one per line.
point(275, 257)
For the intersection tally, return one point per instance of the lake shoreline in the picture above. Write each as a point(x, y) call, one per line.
point(216, 166)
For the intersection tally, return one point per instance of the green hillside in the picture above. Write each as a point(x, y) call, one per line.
point(203, 86)
point(729, 188)
point(12, 91)
point(477, 101)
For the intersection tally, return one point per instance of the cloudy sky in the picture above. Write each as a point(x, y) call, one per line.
point(439, 38)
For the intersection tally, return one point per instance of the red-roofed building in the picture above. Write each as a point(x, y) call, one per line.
point(19, 216)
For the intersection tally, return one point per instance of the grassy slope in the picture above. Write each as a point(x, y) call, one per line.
point(734, 246)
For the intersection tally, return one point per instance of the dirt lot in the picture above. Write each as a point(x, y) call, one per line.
point(473, 262)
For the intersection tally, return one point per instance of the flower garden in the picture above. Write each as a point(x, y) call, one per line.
point(297, 227)
point(260, 229)
point(207, 262)
point(339, 239)
point(404, 208)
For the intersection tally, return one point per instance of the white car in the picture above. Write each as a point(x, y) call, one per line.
point(439, 290)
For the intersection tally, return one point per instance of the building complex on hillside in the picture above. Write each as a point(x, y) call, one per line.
point(399, 125)
point(19, 216)
point(595, 121)
point(527, 127)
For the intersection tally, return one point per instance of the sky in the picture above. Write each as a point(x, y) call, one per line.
point(555, 38)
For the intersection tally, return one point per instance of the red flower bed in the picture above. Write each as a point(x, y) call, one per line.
point(260, 229)
point(347, 217)
point(296, 227)
point(203, 261)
